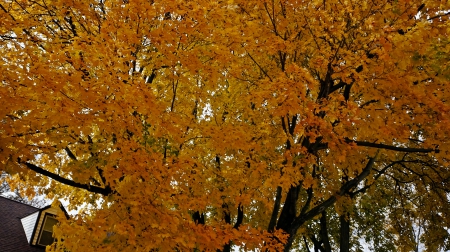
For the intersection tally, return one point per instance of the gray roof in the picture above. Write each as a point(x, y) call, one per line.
point(12, 235)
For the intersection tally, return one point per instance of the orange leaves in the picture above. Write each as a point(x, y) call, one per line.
point(186, 108)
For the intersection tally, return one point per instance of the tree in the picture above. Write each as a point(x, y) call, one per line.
point(200, 125)
point(17, 194)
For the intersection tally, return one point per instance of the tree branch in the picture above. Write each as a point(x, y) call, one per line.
point(95, 189)
point(260, 68)
point(354, 182)
point(301, 219)
point(367, 103)
point(324, 232)
point(390, 147)
point(362, 190)
point(309, 191)
point(198, 218)
point(338, 86)
point(439, 16)
point(276, 208)
point(240, 217)
point(289, 210)
point(306, 244)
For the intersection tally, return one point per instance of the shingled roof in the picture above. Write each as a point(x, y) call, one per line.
point(12, 234)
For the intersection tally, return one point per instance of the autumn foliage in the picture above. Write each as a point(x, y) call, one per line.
point(254, 124)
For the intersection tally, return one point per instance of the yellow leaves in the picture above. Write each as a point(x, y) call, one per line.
point(188, 106)
point(343, 205)
point(308, 182)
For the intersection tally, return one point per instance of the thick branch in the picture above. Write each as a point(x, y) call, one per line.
point(347, 91)
point(439, 16)
point(95, 189)
point(276, 208)
point(305, 207)
point(70, 153)
point(306, 244)
point(344, 233)
point(390, 147)
point(100, 173)
point(324, 232)
point(337, 86)
point(362, 190)
point(198, 218)
point(240, 217)
point(293, 124)
point(301, 219)
point(289, 210)
point(367, 103)
point(354, 182)
point(317, 244)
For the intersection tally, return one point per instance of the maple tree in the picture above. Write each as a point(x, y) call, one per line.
point(18, 195)
point(200, 125)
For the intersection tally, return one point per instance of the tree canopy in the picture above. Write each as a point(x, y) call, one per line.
point(254, 124)
point(5, 191)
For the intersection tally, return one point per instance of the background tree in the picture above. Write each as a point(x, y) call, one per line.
point(206, 124)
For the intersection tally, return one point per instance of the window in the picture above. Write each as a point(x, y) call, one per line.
point(46, 237)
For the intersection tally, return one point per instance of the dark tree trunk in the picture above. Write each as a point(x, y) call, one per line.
point(324, 232)
point(288, 213)
point(345, 233)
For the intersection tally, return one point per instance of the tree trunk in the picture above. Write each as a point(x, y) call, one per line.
point(324, 232)
point(345, 233)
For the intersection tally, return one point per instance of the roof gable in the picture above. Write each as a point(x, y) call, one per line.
point(49, 210)
point(29, 223)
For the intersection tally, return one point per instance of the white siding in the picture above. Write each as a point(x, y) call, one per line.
point(28, 223)
point(50, 210)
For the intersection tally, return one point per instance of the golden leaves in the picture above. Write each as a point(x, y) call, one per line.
point(185, 107)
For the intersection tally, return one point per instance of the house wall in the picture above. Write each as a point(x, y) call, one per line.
point(28, 224)
point(51, 210)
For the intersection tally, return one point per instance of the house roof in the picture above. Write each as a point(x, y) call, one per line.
point(12, 234)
